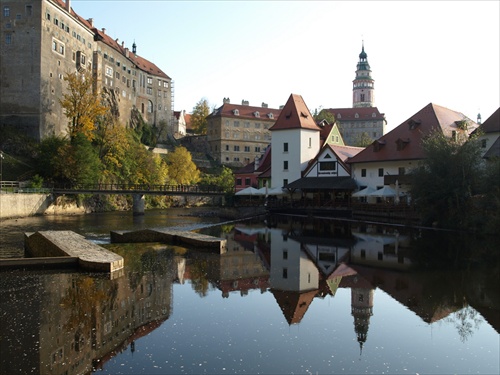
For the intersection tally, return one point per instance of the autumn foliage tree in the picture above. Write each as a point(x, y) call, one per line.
point(82, 106)
point(181, 169)
point(199, 117)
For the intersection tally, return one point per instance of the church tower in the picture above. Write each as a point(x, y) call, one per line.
point(363, 89)
point(361, 310)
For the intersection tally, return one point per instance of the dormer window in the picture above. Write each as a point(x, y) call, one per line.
point(374, 115)
point(401, 143)
point(339, 115)
point(377, 145)
point(302, 114)
point(414, 123)
point(256, 114)
point(270, 115)
point(236, 112)
point(356, 115)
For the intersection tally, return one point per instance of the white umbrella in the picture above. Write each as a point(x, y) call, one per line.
point(363, 192)
point(275, 191)
point(249, 191)
point(384, 192)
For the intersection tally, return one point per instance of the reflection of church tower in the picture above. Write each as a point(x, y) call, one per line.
point(361, 310)
point(363, 90)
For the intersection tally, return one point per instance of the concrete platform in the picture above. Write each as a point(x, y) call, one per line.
point(91, 257)
point(172, 236)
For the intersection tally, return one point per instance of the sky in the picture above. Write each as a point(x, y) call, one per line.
point(420, 52)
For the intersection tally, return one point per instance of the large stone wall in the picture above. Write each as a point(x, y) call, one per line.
point(22, 205)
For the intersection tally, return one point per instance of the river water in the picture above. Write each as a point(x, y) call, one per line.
point(290, 295)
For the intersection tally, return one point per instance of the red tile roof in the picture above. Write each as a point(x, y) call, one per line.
point(364, 114)
point(404, 142)
point(295, 115)
point(140, 62)
point(492, 124)
point(245, 111)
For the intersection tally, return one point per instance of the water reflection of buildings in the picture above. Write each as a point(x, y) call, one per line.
point(70, 323)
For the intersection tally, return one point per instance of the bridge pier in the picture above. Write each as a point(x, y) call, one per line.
point(138, 204)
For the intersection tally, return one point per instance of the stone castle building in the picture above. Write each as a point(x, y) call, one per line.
point(237, 134)
point(42, 41)
point(363, 121)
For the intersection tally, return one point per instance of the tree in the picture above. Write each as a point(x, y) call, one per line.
point(362, 140)
point(199, 117)
point(324, 114)
point(444, 183)
point(224, 179)
point(81, 105)
point(181, 169)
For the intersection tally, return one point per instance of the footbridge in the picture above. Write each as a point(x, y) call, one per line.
point(138, 191)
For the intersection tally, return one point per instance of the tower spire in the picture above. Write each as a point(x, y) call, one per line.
point(363, 85)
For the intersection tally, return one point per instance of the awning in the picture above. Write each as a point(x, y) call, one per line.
point(323, 183)
point(249, 191)
point(363, 192)
point(384, 192)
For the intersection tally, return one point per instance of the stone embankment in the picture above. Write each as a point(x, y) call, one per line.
point(91, 257)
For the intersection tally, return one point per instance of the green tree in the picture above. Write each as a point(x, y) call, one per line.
point(362, 140)
point(223, 179)
point(324, 114)
point(199, 117)
point(48, 154)
point(445, 181)
point(82, 105)
point(78, 162)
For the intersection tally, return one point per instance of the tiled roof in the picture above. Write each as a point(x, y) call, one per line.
point(364, 114)
point(494, 150)
point(245, 111)
point(62, 4)
point(492, 124)
point(404, 142)
point(140, 62)
point(346, 152)
point(295, 115)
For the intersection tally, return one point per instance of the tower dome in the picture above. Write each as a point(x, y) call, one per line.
point(363, 85)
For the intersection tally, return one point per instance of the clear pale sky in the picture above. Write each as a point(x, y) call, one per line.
point(444, 52)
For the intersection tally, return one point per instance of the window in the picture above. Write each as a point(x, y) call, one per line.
point(257, 149)
point(285, 147)
point(285, 273)
point(6, 11)
point(236, 148)
point(227, 147)
point(29, 10)
point(363, 172)
point(54, 45)
point(149, 90)
point(381, 172)
point(236, 112)
point(150, 106)
point(285, 181)
point(165, 84)
point(159, 83)
point(47, 16)
point(238, 182)
point(109, 71)
point(401, 171)
point(247, 148)
point(150, 81)
point(327, 166)
point(285, 165)
point(8, 38)
point(247, 181)
point(257, 126)
point(310, 142)
point(483, 143)
point(270, 115)
point(285, 254)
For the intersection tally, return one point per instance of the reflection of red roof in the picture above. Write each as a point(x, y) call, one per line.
point(294, 305)
point(405, 141)
point(295, 115)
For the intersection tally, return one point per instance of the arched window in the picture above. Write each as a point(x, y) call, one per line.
point(150, 106)
point(142, 107)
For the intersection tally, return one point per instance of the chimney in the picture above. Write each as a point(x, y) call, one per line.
point(127, 53)
point(282, 106)
point(123, 44)
point(256, 163)
point(244, 102)
point(103, 30)
point(91, 21)
point(226, 101)
point(264, 105)
point(68, 6)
